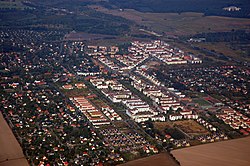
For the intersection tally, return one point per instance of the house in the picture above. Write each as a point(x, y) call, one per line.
point(80, 85)
point(68, 87)
point(174, 117)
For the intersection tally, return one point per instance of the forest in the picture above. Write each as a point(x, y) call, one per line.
point(66, 16)
point(208, 7)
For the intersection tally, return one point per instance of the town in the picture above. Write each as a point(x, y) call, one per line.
point(71, 103)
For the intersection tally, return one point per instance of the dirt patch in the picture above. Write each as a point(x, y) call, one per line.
point(227, 153)
point(191, 127)
point(161, 126)
point(10, 150)
point(162, 159)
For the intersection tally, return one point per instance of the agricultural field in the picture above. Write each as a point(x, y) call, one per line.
point(232, 152)
point(191, 127)
point(162, 159)
point(11, 153)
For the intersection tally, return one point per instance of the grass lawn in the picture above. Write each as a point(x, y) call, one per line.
point(201, 102)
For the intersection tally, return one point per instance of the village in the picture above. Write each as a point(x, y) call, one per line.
point(78, 104)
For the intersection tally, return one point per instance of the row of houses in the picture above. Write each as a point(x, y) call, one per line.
point(101, 50)
point(78, 86)
point(132, 60)
point(142, 71)
point(95, 116)
point(207, 125)
point(234, 119)
point(212, 137)
point(183, 114)
point(110, 113)
point(137, 109)
point(164, 52)
point(140, 111)
point(109, 63)
point(163, 100)
point(151, 78)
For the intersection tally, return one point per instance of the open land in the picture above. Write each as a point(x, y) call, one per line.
point(161, 126)
point(224, 48)
point(191, 127)
point(11, 152)
point(201, 102)
point(161, 159)
point(179, 24)
point(233, 152)
point(76, 92)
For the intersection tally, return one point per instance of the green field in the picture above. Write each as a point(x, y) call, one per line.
point(201, 102)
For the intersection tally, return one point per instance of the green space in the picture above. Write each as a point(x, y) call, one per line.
point(67, 16)
point(201, 102)
point(193, 94)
